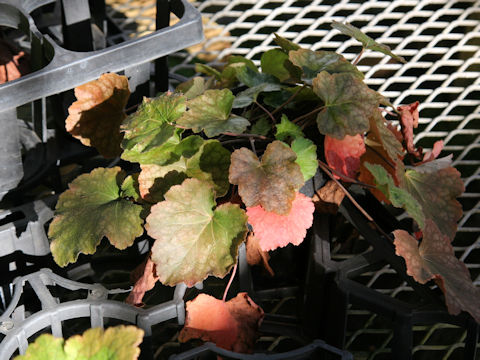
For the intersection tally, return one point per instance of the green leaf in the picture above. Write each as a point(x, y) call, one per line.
point(349, 103)
point(211, 164)
point(89, 210)
point(248, 96)
point(367, 41)
point(398, 197)
point(313, 62)
point(207, 70)
point(272, 62)
point(115, 343)
point(287, 129)
point(229, 73)
point(436, 189)
point(149, 134)
point(285, 44)
point(253, 78)
point(261, 127)
point(272, 182)
point(129, 188)
point(210, 112)
point(192, 88)
point(236, 59)
point(194, 239)
point(306, 156)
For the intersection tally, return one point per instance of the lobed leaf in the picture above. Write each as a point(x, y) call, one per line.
point(435, 259)
point(150, 136)
point(271, 182)
point(261, 127)
point(192, 88)
point(210, 112)
point(115, 343)
point(367, 41)
point(89, 210)
point(285, 44)
point(145, 282)
point(274, 230)
point(349, 103)
point(286, 129)
point(95, 117)
point(193, 240)
point(313, 62)
point(436, 188)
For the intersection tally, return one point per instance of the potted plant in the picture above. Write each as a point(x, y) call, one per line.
point(222, 160)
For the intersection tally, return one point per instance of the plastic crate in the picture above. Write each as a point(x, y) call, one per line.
point(58, 68)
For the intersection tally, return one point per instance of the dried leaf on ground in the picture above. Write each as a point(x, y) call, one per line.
point(90, 209)
point(231, 325)
point(115, 343)
point(193, 238)
point(255, 255)
point(96, 116)
point(435, 259)
point(328, 198)
point(344, 155)
point(435, 185)
point(146, 281)
point(271, 182)
point(349, 103)
point(274, 230)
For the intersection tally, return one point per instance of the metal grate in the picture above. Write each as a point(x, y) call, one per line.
point(441, 41)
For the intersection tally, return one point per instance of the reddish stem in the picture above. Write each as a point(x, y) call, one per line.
point(230, 282)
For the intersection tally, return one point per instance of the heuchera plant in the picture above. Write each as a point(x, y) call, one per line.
point(234, 148)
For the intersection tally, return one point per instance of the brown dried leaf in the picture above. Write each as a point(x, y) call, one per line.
point(328, 198)
point(435, 259)
point(96, 116)
point(146, 281)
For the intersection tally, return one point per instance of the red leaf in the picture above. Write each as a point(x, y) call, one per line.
point(231, 325)
point(435, 259)
point(144, 282)
point(13, 62)
point(409, 119)
point(344, 155)
point(274, 230)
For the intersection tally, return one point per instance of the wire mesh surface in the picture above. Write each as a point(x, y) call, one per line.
point(440, 40)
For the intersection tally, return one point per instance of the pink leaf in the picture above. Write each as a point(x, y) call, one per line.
point(344, 155)
point(274, 230)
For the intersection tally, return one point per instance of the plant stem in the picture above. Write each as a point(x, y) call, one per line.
point(289, 100)
point(314, 111)
point(357, 59)
point(246, 135)
point(266, 111)
point(392, 165)
point(230, 282)
point(348, 178)
point(354, 202)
